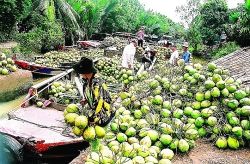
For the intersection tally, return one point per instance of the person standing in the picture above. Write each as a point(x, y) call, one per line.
point(128, 55)
point(140, 35)
point(174, 56)
point(96, 96)
point(186, 54)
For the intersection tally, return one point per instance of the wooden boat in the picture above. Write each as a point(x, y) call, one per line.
point(36, 68)
point(42, 132)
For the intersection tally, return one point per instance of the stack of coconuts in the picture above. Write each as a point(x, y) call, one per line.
point(7, 65)
point(169, 110)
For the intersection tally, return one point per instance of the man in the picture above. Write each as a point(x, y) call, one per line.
point(96, 96)
point(186, 53)
point(128, 55)
point(174, 56)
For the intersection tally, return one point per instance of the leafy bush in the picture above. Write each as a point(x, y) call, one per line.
point(225, 49)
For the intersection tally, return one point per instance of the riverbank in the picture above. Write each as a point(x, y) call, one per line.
point(15, 84)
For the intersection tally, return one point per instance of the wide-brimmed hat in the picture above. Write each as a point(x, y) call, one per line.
point(185, 44)
point(84, 66)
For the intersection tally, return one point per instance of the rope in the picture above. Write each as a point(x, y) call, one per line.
point(14, 109)
point(65, 131)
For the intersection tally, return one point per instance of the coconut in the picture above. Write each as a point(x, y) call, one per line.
point(165, 112)
point(178, 113)
point(199, 96)
point(153, 135)
point(39, 104)
point(196, 105)
point(166, 105)
point(77, 131)
point(157, 100)
point(143, 132)
point(106, 156)
point(208, 95)
point(239, 94)
point(245, 111)
point(245, 124)
point(233, 143)
point(195, 114)
point(221, 142)
point(183, 145)
point(93, 157)
point(124, 160)
point(247, 134)
point(211, 121)
point(166, 154)
point(100, 132)
point(245, 101)
point(192, 134)
point(72, 108)
point(166, 139)
point(70, 118)
point(188, 110)
point(138, 160)
point(199, 122)
point(231, 88)
point(110, 135)
point(165, 161)
point(237, 131)
point(215, 92)
point(227, 128)
point(130, 132)
point(211, 66)
point(202, 132)
point(121, 137)
point(234, 121)
point(81, 122)
point(143, 151)
point(113, 143)
point(150, 159)
point(233, 104)
point(209, 84)
point(145, 109)
point(205, 103)
point(206, 112)
point(89, 134)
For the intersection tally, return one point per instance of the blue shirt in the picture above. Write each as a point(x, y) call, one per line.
point(186, 56)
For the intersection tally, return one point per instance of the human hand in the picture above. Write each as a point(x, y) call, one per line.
point(83, 102)
point(129, 65)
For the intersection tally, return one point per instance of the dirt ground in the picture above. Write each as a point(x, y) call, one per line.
point(203, 153)
point(8, 45)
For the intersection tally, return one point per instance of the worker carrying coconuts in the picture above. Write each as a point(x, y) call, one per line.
point(186, 53)
point(99, 107)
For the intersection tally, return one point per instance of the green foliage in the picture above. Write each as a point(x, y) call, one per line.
point(42, 33)
point(11, 12)
point(240, 28)
point(225, 49)
point(214, 16)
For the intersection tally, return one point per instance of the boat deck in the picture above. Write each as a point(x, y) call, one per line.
point(41, 126)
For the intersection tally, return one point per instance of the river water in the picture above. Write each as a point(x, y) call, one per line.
point(7, 156)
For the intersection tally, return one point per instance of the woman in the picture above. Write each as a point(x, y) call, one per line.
point(97, 98)
point(140, 35)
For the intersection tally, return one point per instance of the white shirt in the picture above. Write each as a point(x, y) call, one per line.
point(128, 55)
point(174, 56)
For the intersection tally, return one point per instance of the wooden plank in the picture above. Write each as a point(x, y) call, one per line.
point(45, 82)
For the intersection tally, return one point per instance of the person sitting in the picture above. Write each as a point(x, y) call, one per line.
point(186, 53)
point(100, 107)
point(174, 56)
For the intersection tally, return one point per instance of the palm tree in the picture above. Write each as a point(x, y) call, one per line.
point(60, 10)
